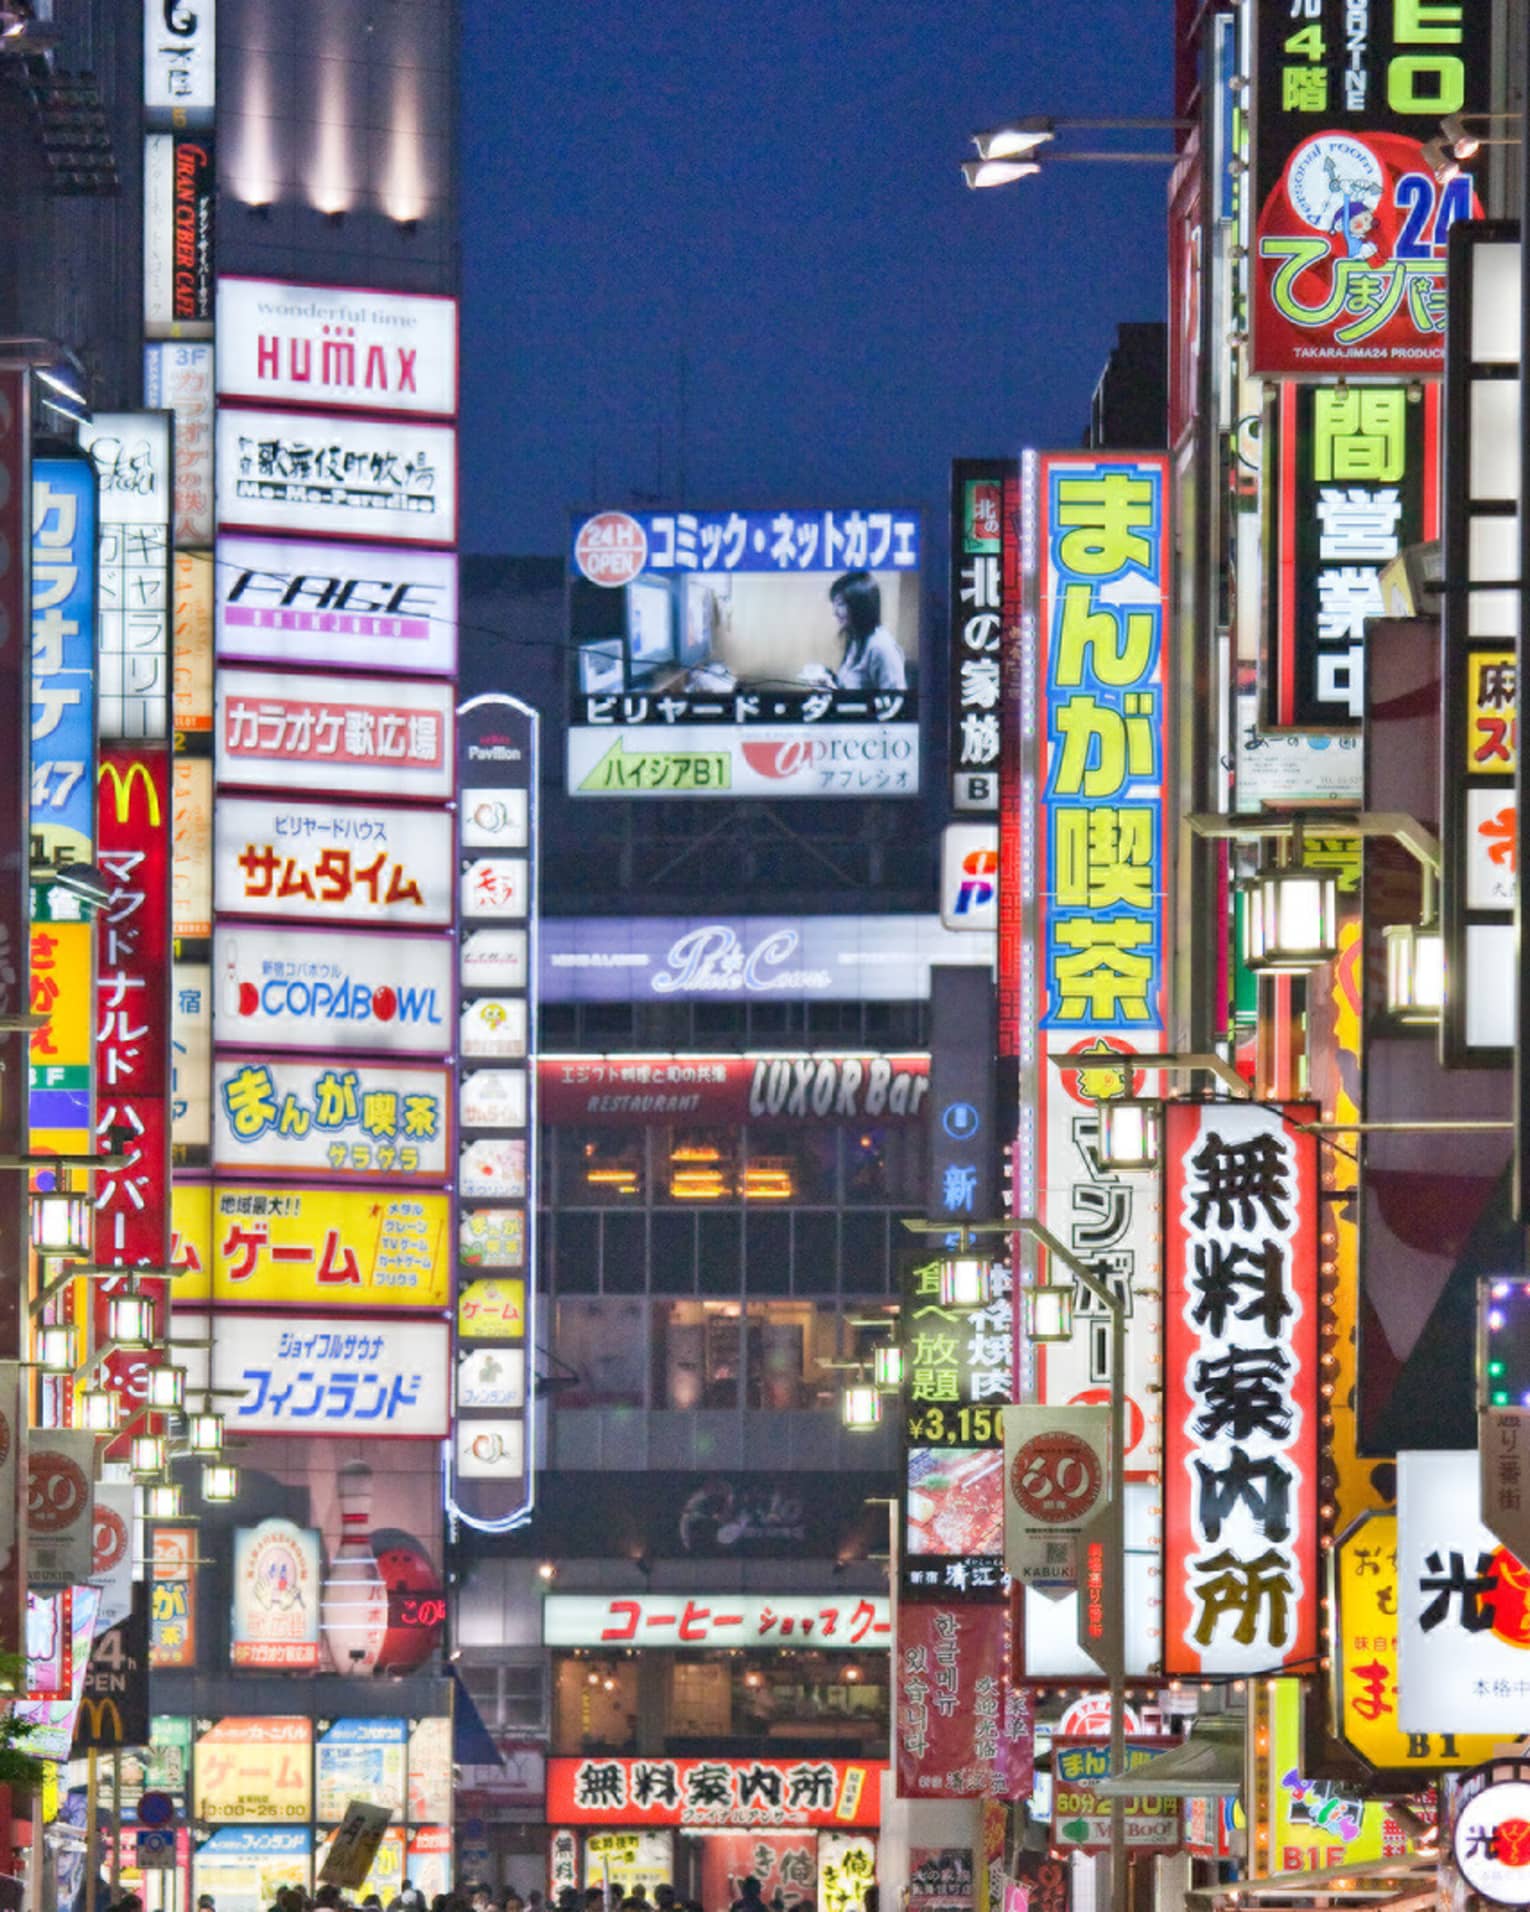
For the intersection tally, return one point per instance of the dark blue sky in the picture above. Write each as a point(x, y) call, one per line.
point(772, 191)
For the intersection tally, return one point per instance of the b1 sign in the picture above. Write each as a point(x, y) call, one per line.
point(358, 736)
point(327, 989)
point(344, 863)
point(358, 477)
point(289, 602)
point(341, 347)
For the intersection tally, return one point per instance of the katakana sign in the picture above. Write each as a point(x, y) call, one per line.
point(357, 736)
point(845, 1623)
point(326, 989)
point(1240, 1374)
point(331, 1248)
point(1364, 1646)
point(714, 1792)
point(1081, 1817)
point(1351, 477)
point(342, 1120)
point(63, 751)
point(1085, 943)
point(651, 1090)
point(1348, 265)
point(254, 1771)
point(724, 654)
point(131, 454)
point(307, 1374)
point(344, 863)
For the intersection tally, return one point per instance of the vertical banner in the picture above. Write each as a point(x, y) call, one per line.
point(495, 1288)
point(977, 620)
point(962, 1184)
point(1351, 477)
point(952, 1730)
point(63, 659)
point(1090, 825)
point(132, 455)
point(1348, 272)
point(61, 1469)
point(15, 920)
point(1241, 1388)
point(133, 1035)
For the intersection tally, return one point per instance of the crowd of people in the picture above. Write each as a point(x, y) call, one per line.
point(478, 1898)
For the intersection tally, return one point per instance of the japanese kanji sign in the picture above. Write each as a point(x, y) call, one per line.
point(846, 1623)
point(313, 475)
point(957, 1722)
point(361, 1759)
point(958, 1367)
point(1364, 1645)
point(1081, 1817)
point(178, 378)
point(331, 1247)
point(173, 1597)
point(178, 75)
point(1479, 795)
point(714, 1792)
point(1241, 1368)
point(277, 1582)
point(1351, 476)
point(733, 653)
point(307, 1374)
point(1086, 940)
point(651, 1090)
point(357, 736)
point(977, 604)
point(1463, 1606)
point(343, 863)
point(382, 608)
point(60, 1054)
point(343, 1119)
point(254, 1771)
point(344, 346)
point(497, 779)
point(1348, 265)
point(63, 757)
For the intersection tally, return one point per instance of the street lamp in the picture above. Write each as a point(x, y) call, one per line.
point(1415, 971)
point(965, 1281)
point(204, 1433)
point(148, 1455)
point(220, 1482)
point(1129, 1132)
point(1012, 151)
point(130, 1320)
point(167, 1387)
point(162, 1501)
point(860, 1405)
point(60, 1223)
point(98, 1410)
point(887, 1365)
point(55, 1348)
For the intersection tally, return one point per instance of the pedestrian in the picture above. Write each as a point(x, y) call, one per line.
point(748, 1899)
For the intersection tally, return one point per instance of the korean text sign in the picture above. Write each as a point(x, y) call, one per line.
point(1090, 907)
point(951, 1669)
point(1351, 477)
point(739, 653)
point(1241, 1375)
point(714, 1792)
point(1348, 266)
point(331, 1247)
point(63, 659)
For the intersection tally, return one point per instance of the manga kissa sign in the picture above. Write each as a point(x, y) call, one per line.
point(343, 1119)
point(1240, 1378)
point(1348, 256)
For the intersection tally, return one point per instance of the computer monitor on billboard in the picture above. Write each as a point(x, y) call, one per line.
point(601, 672)
point(650, 624)
point(698, 631)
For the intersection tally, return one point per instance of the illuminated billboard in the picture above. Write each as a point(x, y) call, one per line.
point(328, 1119)
point(358, 736)
point(332, 862)
point(329, 1248)
point(738, 653)
point(327, 989)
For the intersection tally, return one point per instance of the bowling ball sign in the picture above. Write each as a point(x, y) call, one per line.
point(1492, 1834)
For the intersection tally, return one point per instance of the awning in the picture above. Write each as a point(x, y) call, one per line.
point(472, 1742)
point(1207, 1764)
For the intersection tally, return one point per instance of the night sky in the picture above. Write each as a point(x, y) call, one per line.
point(768, 194)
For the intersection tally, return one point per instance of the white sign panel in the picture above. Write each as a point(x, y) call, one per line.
point(343, 1119)
point(326, 989)
point(112, 1551)
point(344, 863)
point(319, 1375)
point(342, 347)
point(969, 876)
point(158, 230)
point(1052, 1650)
point(695, 760)
point(178, 378)
point(190, 1054)
point(61, 1469)
point(359, 477)
point(830, 1622)
point(178, 46)
point(131, 454)
point(491, 1378)
point(357, 736)
point(1463, 1605)
point(280, 600)
point(1491, 1841)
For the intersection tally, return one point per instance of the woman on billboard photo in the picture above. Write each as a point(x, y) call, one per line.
point(872, 658)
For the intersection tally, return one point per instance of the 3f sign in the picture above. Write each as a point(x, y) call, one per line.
point(1426, 83)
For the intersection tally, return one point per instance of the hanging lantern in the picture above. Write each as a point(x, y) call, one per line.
point(61, 1224)
point(860, 1406)
point(1046, 1312)
point(167, 1387)
point(162, 1501)
point(1290, 919)
point(1415, 971)
point(220, 1481)
point(55, 1349)
point(1130, 1132)
point(204, 1433)
point(98, 1410)
point(964, 1282)
point(148, 1454)
point(130, 1320)
point(887, 1366)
